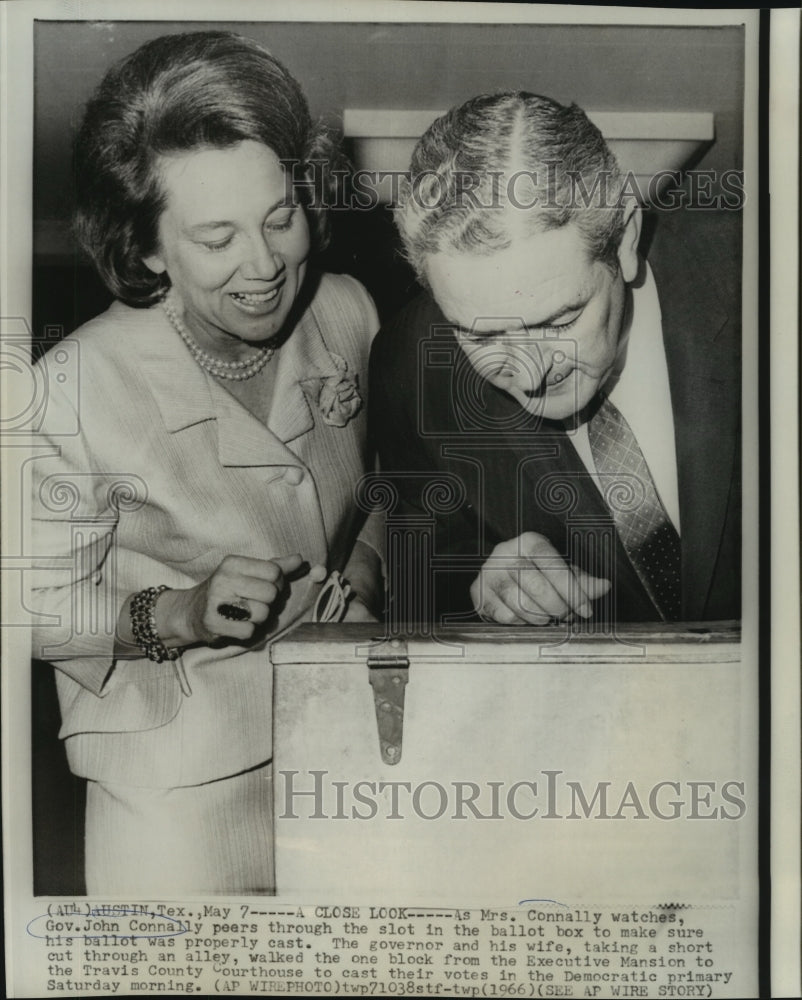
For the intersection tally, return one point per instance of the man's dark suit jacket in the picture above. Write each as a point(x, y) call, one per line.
point(472, 469)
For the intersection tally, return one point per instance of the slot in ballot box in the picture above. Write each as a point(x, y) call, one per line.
point(492, 765)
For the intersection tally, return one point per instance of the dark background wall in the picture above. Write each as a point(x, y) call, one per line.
point(404, 66)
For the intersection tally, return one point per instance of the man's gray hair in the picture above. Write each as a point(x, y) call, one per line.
point(508, 164)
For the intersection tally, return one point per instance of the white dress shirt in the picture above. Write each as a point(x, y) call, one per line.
point(639, 388)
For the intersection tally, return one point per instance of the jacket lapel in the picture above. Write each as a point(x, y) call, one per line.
point(187, 395)
point(552, 485)
point(558, 499)
point(703, 369)
point(303, 362)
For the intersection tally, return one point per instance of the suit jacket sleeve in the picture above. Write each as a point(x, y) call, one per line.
point(433, 530)
point(81, 577)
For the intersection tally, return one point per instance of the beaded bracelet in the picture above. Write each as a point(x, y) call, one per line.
point(143, 625)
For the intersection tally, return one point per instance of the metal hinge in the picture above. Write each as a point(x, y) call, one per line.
point(388, 673)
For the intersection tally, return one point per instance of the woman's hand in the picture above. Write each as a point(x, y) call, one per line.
point(189, 616)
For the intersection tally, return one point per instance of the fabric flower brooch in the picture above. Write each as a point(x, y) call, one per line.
point(336, 396)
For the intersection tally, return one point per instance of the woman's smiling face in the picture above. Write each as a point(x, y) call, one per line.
point(232, 242)
point(541, 319)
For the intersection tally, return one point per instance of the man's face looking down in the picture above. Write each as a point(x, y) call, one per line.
point(541, 319)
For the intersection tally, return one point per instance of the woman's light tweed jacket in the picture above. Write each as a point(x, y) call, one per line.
point(150, 472)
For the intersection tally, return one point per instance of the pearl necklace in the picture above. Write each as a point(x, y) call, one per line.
point(236, 371)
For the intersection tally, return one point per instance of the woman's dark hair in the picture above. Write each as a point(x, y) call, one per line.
point(174, 94)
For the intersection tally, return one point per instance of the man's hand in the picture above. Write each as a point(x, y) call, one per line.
point(525, 581)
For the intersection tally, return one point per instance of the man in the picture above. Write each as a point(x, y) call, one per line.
point(558, 416)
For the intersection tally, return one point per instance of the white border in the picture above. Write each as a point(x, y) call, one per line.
point(785, 542)
point(16, 115)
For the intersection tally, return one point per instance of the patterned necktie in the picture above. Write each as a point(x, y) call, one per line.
point(645, 530)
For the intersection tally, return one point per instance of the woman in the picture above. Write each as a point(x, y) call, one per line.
point(204, 438)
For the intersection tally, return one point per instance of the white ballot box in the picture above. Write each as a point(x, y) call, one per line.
point(493, 766)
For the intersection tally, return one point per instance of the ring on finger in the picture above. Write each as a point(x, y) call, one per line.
point(234, 611)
